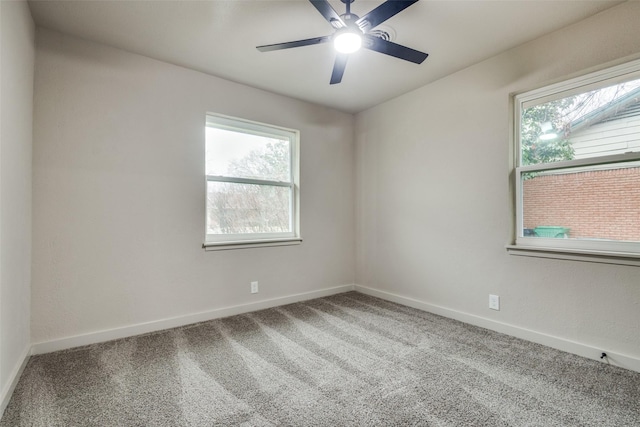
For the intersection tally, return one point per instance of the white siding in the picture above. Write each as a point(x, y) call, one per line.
point(612, 137)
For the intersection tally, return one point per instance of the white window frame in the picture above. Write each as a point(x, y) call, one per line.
point(627, 253)
point(252, 240)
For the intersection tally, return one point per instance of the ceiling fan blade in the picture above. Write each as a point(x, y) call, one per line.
point(383, 12)
point(297, 43)
point(389, 48)
point(329, 13)
point(338, 68)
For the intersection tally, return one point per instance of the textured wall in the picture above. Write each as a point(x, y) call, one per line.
point(435, 196)
point(119, 193)
point(18, 55)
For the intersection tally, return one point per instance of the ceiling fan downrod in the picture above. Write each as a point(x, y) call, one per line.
point(347, 15)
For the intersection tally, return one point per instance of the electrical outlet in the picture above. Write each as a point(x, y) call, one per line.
point(494, 302)
point(254, 287)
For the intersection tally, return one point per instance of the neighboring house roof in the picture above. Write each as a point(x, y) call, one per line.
point(611, 129)
point(627, 105)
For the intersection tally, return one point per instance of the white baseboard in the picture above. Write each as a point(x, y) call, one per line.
point(590, 352)
point(158, 325)
point(14, 377)
point(617, 359)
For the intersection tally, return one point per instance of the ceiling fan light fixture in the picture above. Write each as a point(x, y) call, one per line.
point(352, 32)
point(348, 41)
point(548, 136)
point(548, 133)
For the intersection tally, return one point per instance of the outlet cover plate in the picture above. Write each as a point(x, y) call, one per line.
point(494, 302)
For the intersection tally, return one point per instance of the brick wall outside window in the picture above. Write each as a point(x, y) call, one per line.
point(601, 204)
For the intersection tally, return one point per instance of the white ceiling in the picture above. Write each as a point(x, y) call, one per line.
point(219, 38)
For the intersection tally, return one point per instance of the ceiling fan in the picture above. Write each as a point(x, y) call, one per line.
point(352, 32)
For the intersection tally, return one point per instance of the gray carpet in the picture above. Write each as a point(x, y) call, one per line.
point(345, 360)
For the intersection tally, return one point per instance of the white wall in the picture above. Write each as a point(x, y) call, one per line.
point(435, 208)
point(118, 195)
point(118, 215)
point(16, 93)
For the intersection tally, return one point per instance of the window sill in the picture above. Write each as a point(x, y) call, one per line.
point(246, 244)
point(619, 258)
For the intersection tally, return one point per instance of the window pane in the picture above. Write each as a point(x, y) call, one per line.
point(596, 203)
point(244, 155)
point(596, 123)
point(246, 208)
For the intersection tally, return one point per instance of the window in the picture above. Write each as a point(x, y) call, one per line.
point(578, 165)
point(252, 183)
